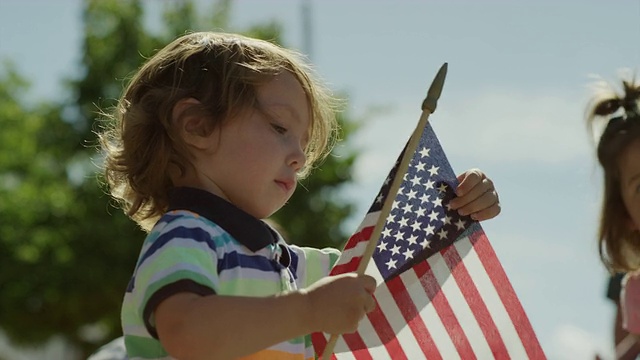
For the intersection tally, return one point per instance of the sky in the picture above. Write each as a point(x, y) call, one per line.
point(512, 105)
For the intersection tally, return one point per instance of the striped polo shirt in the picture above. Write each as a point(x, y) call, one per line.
point(206, 245)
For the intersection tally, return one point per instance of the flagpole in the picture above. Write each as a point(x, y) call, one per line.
point(428, 107)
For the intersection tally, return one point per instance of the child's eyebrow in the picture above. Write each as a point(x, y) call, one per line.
point(288, 108)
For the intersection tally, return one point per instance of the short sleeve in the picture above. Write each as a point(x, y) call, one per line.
point(180, 256)
point(312, 264)
point(614, 287)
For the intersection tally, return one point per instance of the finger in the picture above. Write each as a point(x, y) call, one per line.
point(468, 180)
point(369, 283)
point(471, 195)
point(484, 201)
point(370, 304)
point(488, 213)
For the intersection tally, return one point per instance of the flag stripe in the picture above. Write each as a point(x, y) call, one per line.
point(430, 314)
point(386, 300)
point(497, 309)
point(460, 307)
point(385, 333)
point(409, 313)
point(352, 255)
point(474, 300)
point(398, 287)
point(440, 301)
point(356, 344)
point(508, 296)
point(319, 343)
point(363, 235)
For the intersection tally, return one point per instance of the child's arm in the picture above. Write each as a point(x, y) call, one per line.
point(226, 327)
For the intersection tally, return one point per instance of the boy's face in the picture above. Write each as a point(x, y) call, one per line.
point(254, 157)
point(629, 166)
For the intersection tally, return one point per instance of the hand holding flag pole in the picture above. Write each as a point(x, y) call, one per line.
point(428, 107)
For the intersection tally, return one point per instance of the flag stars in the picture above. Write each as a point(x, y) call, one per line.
point(420, 166)
point(412, 194)
point(437, 202)
point(386, 232)
point(425, 198)
point(442, 234)
point(429, 184)
point(433, 215)
point(433, 170)
point(403, 222)
point(442, 188)
point(395, 250)
point(407, 208)
point(415, 226)
point(395, 204)
point(390, 219)
point(382, 246)
point(379, 199)
point(429, 230)
point(420, 212)
point(415, 180)
point(425, 152)
point(446, 220)
point(399, 235)
point(460, 224)
point(425, 243)
point(391, 264)
point(408, 254)
point(412, 240)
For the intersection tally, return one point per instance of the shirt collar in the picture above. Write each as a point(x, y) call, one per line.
point(246, 229)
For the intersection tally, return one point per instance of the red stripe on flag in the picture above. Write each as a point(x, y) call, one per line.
point(385, 333)
point(412, 316)
point(444, 311)
point(319, 342)
point(507, 294)
point(351, 266)
point(360, 236)
point(476, 303)
point(357, 346)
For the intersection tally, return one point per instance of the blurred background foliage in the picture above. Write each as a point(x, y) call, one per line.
point(66, 253)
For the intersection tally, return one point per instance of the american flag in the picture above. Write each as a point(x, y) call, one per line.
point(442, 293)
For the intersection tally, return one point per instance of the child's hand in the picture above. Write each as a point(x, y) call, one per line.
point(476, 196)
point(337, 303)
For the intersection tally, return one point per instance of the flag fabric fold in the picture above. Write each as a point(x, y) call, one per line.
point(442, 292)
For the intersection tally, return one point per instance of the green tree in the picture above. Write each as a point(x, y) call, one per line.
point(66, 254)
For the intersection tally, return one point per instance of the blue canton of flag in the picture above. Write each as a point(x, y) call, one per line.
point(420, 222)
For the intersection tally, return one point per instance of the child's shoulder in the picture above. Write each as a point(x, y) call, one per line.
point(187, 225)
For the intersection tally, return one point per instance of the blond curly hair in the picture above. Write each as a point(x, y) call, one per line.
point(221, 71)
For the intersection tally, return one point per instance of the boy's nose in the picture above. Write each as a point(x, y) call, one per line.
point(297, 158)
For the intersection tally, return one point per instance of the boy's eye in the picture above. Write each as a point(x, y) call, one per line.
point(279, 128)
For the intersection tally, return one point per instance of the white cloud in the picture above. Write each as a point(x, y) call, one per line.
point(505, 125)
point(571, 342)
point(501, 125)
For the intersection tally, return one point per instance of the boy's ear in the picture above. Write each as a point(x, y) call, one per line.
point(192, 126)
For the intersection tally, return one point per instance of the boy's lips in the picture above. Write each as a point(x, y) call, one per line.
point(286, 184)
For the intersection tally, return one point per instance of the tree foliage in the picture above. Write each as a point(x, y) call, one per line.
point(66, 253)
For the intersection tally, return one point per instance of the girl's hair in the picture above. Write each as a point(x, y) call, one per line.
point(618, 244)
point(222, 71)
